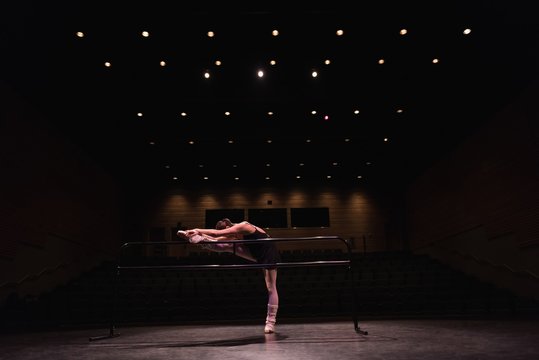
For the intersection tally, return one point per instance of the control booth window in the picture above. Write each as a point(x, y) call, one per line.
point(309, 217)
point(274, 218)
point(214, 215)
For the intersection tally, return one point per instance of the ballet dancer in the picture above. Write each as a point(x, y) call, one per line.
point(264, 252)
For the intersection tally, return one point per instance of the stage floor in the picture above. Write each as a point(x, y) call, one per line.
point(333, 340)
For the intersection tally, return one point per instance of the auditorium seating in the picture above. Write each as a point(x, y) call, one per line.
point(378, 285)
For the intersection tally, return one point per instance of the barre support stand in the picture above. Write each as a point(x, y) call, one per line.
point(118, 267)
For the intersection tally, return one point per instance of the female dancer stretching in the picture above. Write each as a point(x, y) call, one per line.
point(264, 252)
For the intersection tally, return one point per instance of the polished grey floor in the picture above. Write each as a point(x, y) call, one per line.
point(386, 339)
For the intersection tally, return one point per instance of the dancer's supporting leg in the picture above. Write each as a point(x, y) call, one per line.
point(270, 276)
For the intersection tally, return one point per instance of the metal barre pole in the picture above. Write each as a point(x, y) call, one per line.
point(311, 238)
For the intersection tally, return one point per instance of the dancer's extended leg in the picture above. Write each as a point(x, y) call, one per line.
point(238, 249)
point(195, 238)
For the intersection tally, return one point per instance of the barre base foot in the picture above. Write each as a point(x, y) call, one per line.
point(362, 332)
point(109, 336)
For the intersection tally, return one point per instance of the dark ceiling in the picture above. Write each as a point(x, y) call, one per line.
point(96, 107)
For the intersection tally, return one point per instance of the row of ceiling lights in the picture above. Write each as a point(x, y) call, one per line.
point(297, 177)
point(271, 113)
point(274, 33)
point(260, 73)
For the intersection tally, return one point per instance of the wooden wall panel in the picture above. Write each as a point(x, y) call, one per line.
point(61, 213)
point(491, 182)
point(354, 213)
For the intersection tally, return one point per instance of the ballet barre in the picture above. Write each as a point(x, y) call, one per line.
point(347, 262)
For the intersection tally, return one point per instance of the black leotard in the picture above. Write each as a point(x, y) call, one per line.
point(266, 252)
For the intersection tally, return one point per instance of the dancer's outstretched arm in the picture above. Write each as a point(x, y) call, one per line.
point(196, 237)
point(242, 228)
